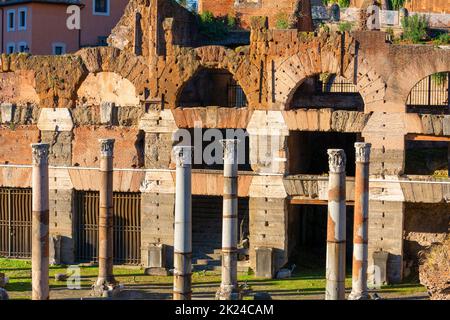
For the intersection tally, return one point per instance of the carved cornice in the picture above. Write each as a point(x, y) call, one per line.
point(336, 160)
point(40, 153)
point(362, 152)
point(106, 147)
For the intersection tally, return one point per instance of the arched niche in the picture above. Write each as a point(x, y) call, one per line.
point(107, 86)
point(326, 90)
point(211, 87)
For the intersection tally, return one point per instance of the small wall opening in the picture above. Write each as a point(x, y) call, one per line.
point(427, 157)
point(308, 236)
point(327, 91)
point(430, 95)
point(212, 87)
point(308, 151)
point(207, 225)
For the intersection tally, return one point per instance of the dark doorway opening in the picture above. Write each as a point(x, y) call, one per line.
point(308, 151)
point(15, 222)
point(126, 227)
point(308, 236)
point(427, 157)
point(207, 224)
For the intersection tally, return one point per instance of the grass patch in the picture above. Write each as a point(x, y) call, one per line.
point(305, 282)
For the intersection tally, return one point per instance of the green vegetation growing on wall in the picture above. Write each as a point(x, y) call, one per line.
point(215, 28)
point(345, 26)
point(282, 20)
point(341, 3)
point(442, 39)
point(397, 4)
point(415, 28)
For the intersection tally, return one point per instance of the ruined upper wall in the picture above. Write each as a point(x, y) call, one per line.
point(244, 10)
point(141, 30)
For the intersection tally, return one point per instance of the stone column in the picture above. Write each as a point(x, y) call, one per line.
point(335, 264)
point(40, 227)
point(229, 289)
point(360, 226)
point(182, 275)
point(105, 228)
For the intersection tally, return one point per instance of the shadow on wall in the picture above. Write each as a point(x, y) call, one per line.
point(425, 224)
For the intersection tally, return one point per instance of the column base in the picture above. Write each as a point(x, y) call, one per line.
point(106, 289)
point(358, 296)
point(228, 293)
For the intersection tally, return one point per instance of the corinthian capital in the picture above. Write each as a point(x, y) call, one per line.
point(183, 155)
point(336, 160)
point(106, 147)
point(362, 152)
point(230, 150)
point(40, 153)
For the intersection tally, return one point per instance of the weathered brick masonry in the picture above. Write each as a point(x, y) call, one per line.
point(130, 91)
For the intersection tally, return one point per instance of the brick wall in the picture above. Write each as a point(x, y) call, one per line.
point(437, 6)
point(249, 8)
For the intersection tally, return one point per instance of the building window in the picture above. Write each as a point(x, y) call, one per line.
point(22, 13)
point(10, 48)
point(101, 7)
point(23, 47)
point(10, 21)
point(59, 48)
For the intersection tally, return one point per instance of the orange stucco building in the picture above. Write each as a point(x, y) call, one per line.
point(40, 26)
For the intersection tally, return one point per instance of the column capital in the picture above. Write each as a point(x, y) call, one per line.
point(40, 153)
point(336, 160)
point(106, 147)
point(229, 150)
point(183, 155)
point(362, 152)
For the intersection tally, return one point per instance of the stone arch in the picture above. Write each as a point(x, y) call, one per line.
point(422, 62)
point(109, 59)
point(290, 74)
point(428, 95)
point(107, 86)
point(207, 57)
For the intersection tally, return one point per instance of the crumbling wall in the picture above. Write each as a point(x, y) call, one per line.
point(244, 10)
point(425, 224)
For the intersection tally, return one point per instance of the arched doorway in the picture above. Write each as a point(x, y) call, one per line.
point(430, 95)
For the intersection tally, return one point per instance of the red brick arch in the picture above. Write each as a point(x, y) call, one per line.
point(211, 57)
point(290, 73)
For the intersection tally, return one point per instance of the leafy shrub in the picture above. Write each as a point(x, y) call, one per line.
point(415, 28)
point(345, 26)
point(212, 27)
point(442, 39)
point(341, 3)
point(282, 20)
point(397, 4)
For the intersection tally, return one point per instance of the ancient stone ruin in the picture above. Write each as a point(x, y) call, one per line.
point(158, 77)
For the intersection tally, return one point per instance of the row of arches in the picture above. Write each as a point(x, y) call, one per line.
point(218, 87)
